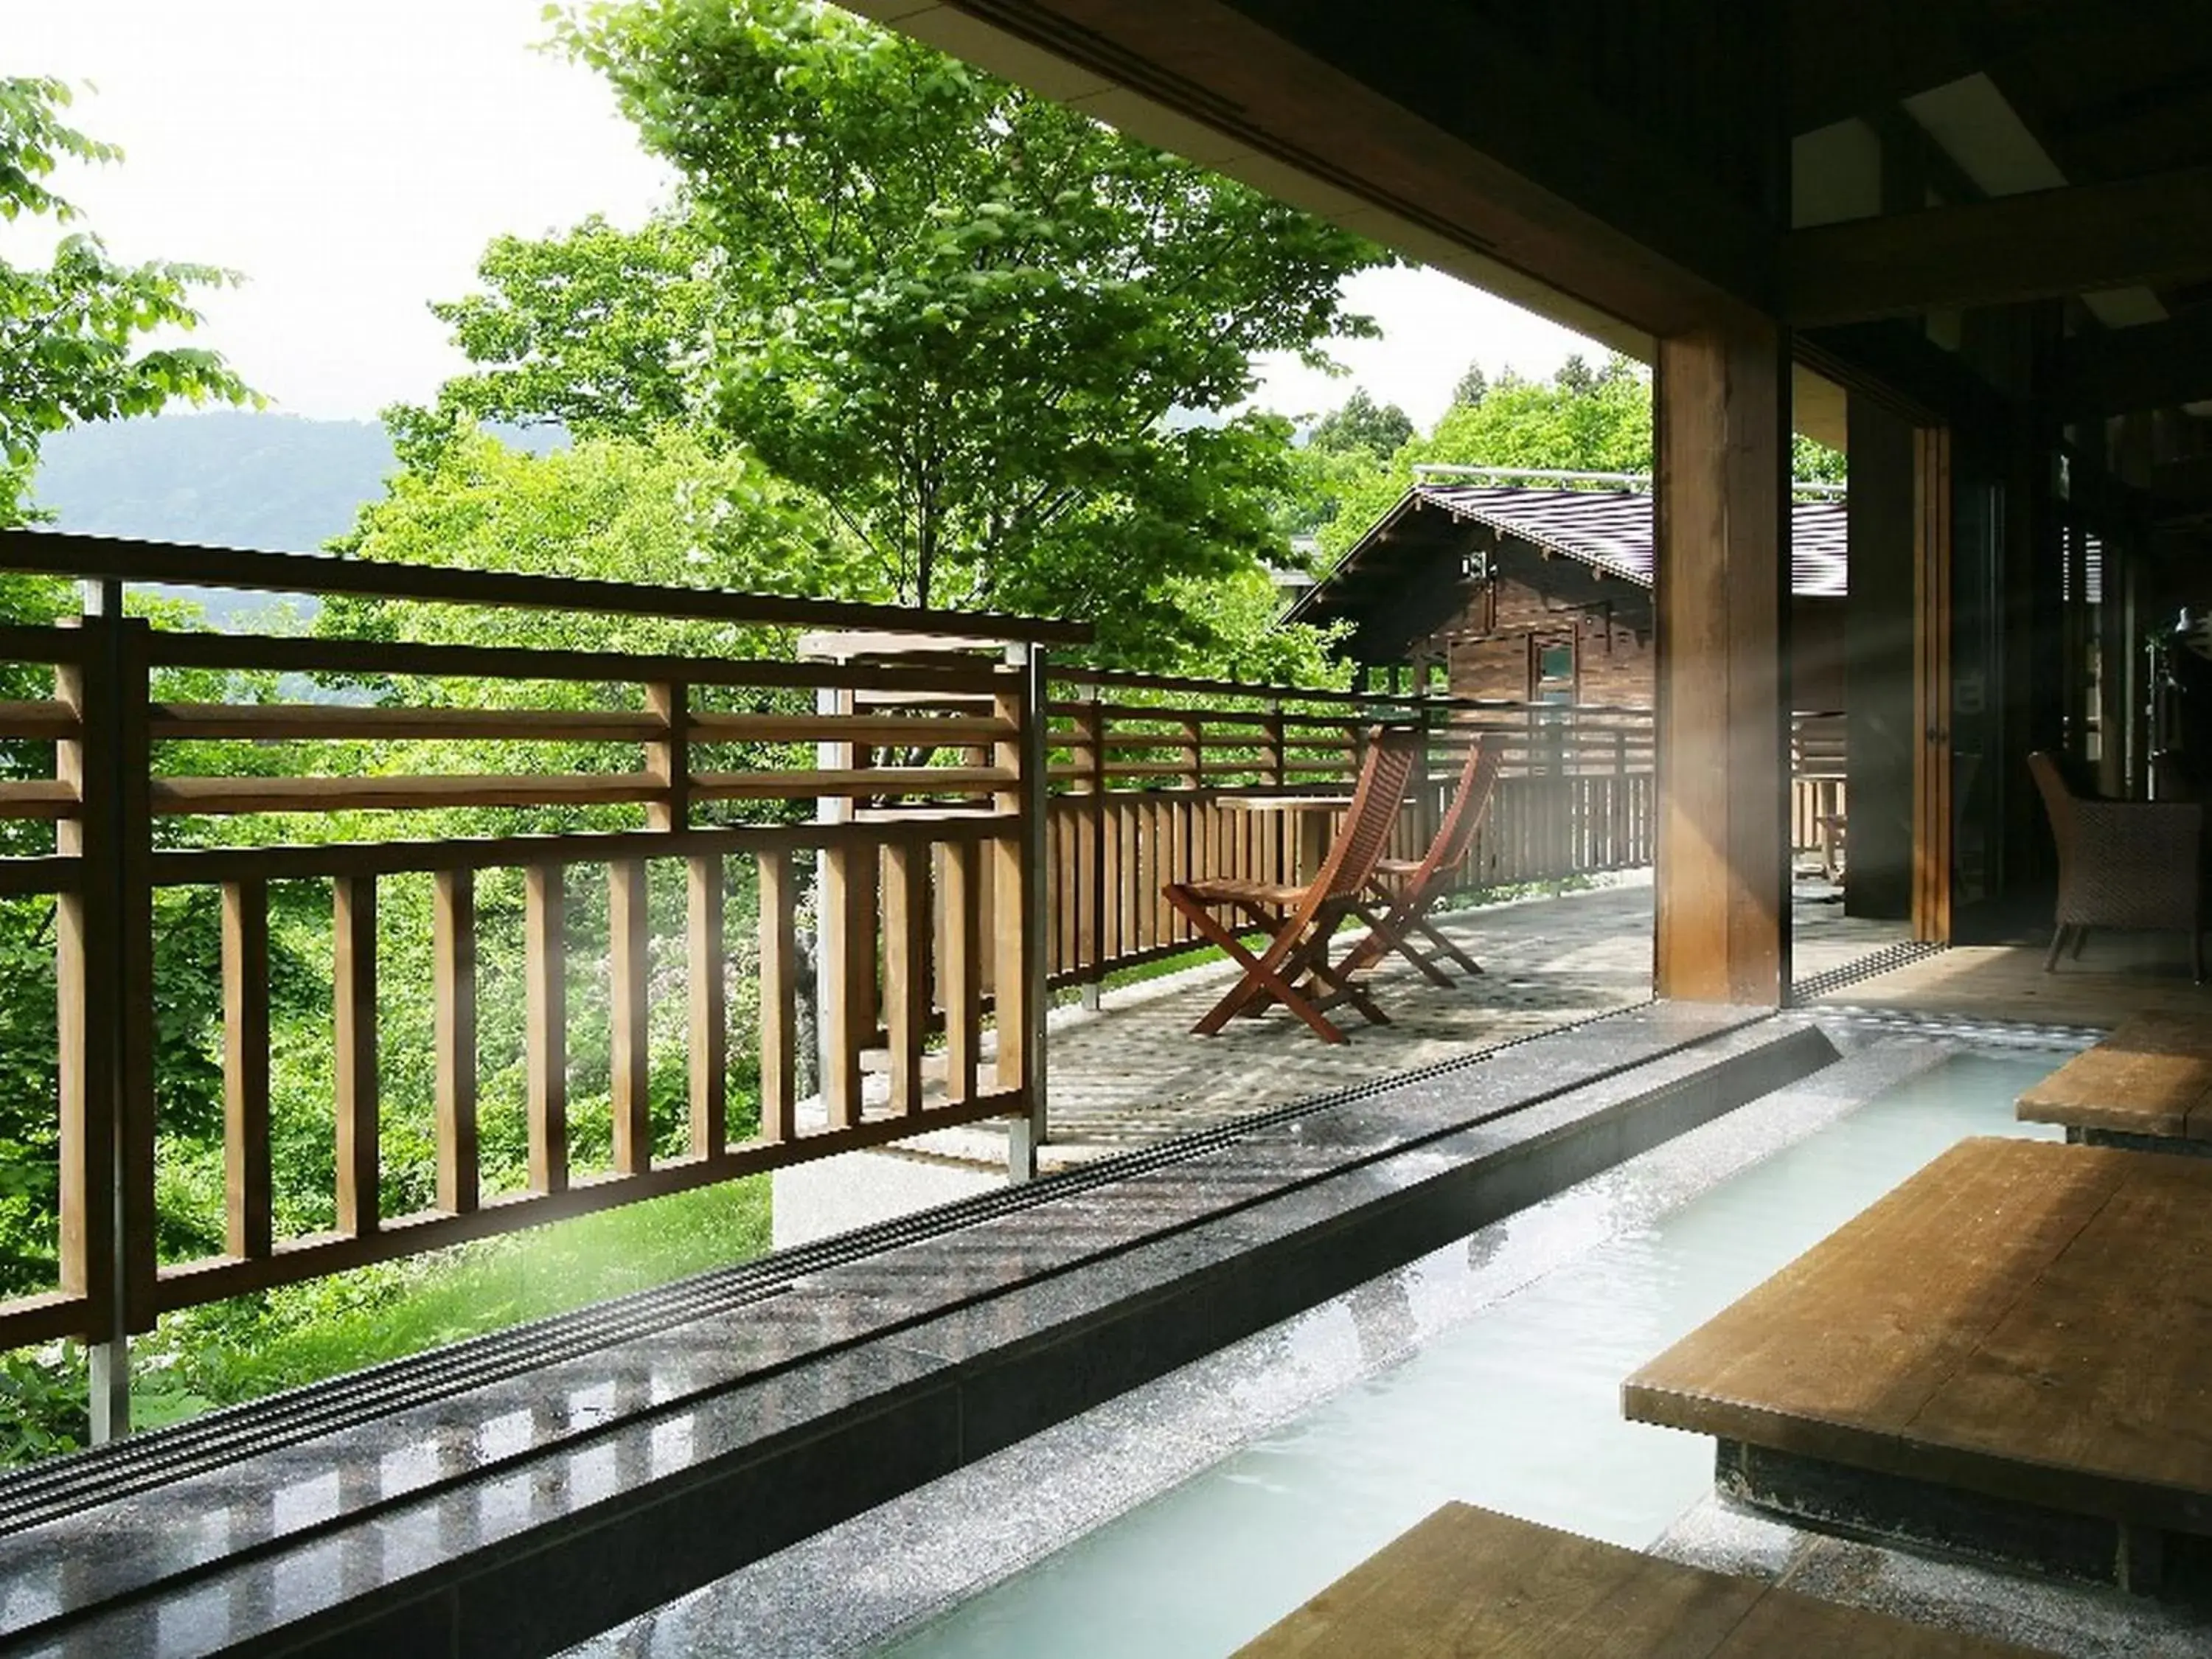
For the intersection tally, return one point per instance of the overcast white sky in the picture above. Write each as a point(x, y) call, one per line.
point(352, 158)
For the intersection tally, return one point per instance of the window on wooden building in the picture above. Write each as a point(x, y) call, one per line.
point(1551, 668)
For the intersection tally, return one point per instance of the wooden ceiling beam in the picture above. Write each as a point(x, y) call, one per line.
point(2122, 370)
point(1419, 115)
point(2146, 232)
point(1857, 59)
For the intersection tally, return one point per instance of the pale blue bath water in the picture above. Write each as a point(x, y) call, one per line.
point(1517, 1409)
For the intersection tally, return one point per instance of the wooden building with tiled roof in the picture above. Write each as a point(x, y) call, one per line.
point(1543, 593)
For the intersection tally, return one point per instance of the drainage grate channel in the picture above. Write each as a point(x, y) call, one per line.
point(1886, 960)
point(105, 1474)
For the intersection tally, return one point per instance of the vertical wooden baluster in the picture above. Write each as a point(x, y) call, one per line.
point(779, 998)
point(629, 936)
point(905, 967)
point(354, 915)
point(545, 974)
point(961, 973)
point(709, 1053)
point(1145, 870)
point(247, 1210)
point(454, 992)
point(1127, 828)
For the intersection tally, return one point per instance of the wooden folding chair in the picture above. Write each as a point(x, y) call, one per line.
point(1294, 967)
point(1404, 891)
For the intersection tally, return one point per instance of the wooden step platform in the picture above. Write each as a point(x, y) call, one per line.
point(1469, 1581)
point(2010, 1355)
point(2148, 1087)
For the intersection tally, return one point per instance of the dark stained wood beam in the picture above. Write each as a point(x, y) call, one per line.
point(1848, 59)
point(2146, 231)
point(1421, 111)
point(2156, 366)
point(1721, 605)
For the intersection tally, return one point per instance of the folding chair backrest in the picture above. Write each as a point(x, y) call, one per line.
point(1365, 834)
point(1478, 777)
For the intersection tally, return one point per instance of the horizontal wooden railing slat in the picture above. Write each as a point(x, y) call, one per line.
point(46, 552)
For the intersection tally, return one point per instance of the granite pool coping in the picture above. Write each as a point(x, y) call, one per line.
point(534, 1509)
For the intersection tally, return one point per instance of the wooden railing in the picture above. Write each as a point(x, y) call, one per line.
point(694, 760)
point(1153, 778)
point(1817, 803)
point(1149, 772)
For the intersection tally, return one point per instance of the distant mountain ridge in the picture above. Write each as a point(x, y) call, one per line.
point(280, 483)
point(277, 483)
point(273, 483)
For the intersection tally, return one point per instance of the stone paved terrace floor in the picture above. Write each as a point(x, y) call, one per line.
point(1133, 1072)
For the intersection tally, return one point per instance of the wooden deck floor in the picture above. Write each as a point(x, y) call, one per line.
point(2117, 976)
point(1133, 1072)
point(2022, 1321)
point(1467, 1580)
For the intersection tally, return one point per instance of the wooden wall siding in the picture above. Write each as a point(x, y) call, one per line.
point(929, 830)
point(1489, 647)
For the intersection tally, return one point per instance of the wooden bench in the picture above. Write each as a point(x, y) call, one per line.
point(2148, 1087)
point(2006, 1356)
point(1469, 1580)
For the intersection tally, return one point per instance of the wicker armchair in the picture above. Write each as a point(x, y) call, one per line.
point(2123, 864)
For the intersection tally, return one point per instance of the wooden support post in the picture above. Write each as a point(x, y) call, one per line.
point(2133, 460)
point(630, 936)
point(846, 1010)
point(1019, 879)
point(779, 1008)
point(905, 967)
point(960, 974)
point(545, 984)
point(1090, 948)
point(104, 960)
point(1721, 612)
point(248, 1227)
point(88, 973)
point(708, 1061)
point(1932, 816)
point(845, 921)
point(354, 980)
point(1883, 734)
point(453, 993)
point(668, 760)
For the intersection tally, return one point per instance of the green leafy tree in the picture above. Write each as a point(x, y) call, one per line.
point(1582, 421)
point(1811, 461)
point(1361, 423)
point(1001, 342)
point(1473, 386)
point(72, 333)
